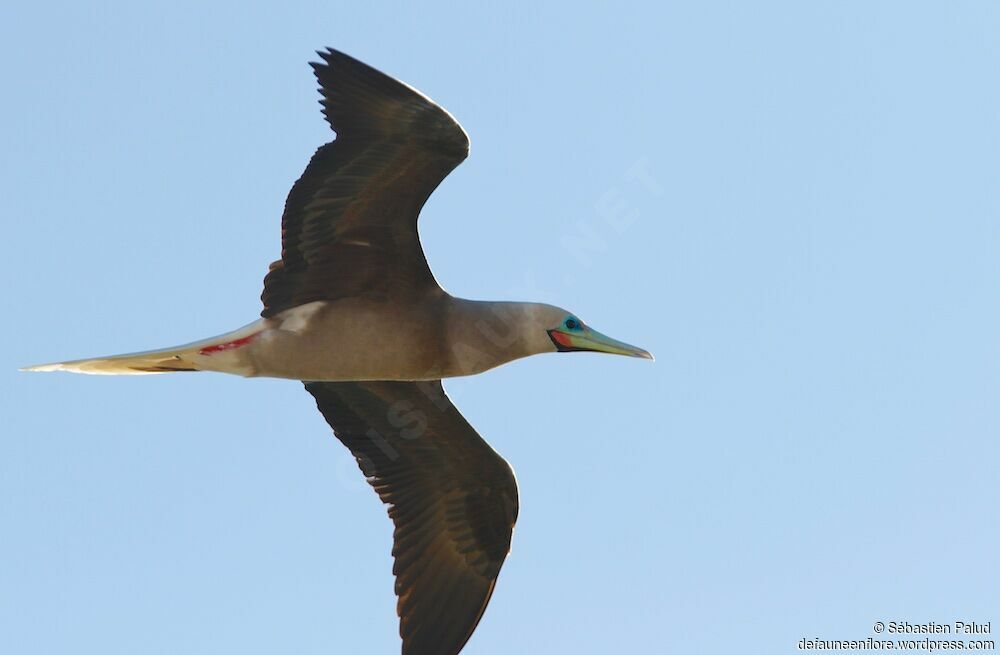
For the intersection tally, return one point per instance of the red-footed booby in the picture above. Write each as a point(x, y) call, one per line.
point(353, 310)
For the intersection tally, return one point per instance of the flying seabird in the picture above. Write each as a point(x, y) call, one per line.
point(353, 310)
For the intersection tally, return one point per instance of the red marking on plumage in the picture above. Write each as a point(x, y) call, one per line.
point(229, 345)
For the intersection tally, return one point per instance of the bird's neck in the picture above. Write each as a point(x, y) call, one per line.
point(484, 334)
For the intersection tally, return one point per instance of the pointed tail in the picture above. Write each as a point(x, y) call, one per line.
point(189, 357)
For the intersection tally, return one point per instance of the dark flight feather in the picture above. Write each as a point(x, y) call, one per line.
point(349, 228)
point(452, 498)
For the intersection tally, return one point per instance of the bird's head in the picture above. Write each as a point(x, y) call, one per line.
point(570, 334)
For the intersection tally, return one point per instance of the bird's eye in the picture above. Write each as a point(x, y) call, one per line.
point(572, 324)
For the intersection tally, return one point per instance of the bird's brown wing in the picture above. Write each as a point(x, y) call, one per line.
point(350, 222)
point(452, 498)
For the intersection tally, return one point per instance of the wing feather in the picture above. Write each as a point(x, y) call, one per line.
point(350, 222)
point(452, 498)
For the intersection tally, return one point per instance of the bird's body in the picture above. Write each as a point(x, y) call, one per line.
point(356, 339)
point(360, 339)
point(353, 310)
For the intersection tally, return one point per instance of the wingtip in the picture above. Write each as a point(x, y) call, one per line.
point(325, 57)
point(329, 54)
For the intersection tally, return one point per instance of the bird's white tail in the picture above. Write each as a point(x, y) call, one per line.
point(189, 357)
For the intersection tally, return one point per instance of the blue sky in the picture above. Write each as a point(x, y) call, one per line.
point(793, 205)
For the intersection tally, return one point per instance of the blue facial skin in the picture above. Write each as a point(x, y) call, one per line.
point(569, 324)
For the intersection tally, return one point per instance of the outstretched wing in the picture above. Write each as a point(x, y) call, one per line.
point(350, 222)
point(452, 498)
